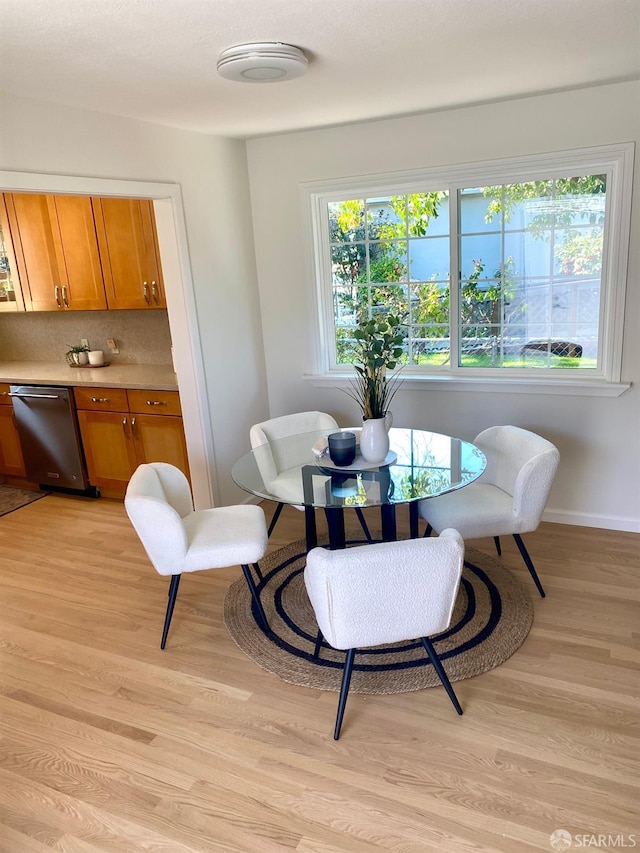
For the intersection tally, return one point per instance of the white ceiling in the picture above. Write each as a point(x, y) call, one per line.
point(156, 59)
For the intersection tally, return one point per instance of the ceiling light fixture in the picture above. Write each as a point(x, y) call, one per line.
point(264, 62)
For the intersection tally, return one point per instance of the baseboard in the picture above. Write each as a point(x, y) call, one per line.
point(556, 516)
point(583, 519)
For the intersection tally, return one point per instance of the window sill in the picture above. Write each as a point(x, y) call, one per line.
point(565, 386)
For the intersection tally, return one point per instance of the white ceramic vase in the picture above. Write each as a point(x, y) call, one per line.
point(374, 439)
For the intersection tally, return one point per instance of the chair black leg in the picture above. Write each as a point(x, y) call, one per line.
point(256, 598)
point(529, 563)
point(344, 690)
point(274, 520)
point(318, 646)
point(428, 530)
point(258, 572)
point(496, 539)
point(363, 524)
point(173, 592)
point(437, 665)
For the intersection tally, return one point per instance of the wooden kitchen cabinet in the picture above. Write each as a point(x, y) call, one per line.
point(56, 248)
point(129, 252)
point(118, 433)
point(11, 461)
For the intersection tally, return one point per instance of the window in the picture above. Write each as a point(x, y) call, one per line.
point(511, 269)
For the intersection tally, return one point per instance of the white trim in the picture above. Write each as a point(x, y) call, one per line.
point(567, 386)
point(584, 519)
point(180, 300)
point(615, 160)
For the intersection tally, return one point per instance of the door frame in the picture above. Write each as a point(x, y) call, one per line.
point(181, 308)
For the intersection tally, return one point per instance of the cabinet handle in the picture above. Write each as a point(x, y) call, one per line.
point(4, 394)
point(156, 402)
point(145, 292)
point(133, 425)
point(64, 296)
point(56, 291)
point(124, 425)
point(99, 399)
point(154, 292)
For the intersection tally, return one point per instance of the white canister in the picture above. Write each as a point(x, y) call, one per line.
point(96, 356)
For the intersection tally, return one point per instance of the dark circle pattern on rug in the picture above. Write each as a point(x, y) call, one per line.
point(492, 616)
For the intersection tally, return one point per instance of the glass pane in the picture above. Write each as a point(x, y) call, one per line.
point(388, 261)
point(344, 345)
point(348, 263)
point(480, 255)
point(430, 345)
point(428, 214)
point(346, 304)
point(429, 302)
point(392, 299)
point(578, 252)
point(480, 210)
point(7, 284)
point(386, 218)
point(479, 346)
point(346, 220)
point(529, 256)
point(429, 259)
point(528, 205)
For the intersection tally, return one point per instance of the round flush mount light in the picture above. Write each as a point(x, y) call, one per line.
point(264, 62)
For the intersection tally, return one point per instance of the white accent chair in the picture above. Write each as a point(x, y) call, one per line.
point(385, 593)
point(281, 472)
point(179, 539)
point(510, 496)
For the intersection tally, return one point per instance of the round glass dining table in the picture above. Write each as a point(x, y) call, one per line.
point(420, 465)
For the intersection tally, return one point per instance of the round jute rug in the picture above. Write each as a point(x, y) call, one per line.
point(491, 619)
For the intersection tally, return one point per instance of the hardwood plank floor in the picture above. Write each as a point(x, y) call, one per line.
point(110, 745)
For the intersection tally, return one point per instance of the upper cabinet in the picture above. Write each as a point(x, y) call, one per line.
point(78, 253)
point(56, 249)
point(129, 252)
point(10, 291)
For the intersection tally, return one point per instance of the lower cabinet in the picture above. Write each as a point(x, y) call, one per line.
point(11, 461)
point(122, 429)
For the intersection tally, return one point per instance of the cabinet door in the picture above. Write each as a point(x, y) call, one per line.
point(160, 438)
point(109, 450)
point(11, 461)
point(35, 251)
point(76, 244)
point(57, 252)
point(129, 252)
point(10, 289)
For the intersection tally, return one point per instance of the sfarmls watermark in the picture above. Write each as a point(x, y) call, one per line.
point(560, 839)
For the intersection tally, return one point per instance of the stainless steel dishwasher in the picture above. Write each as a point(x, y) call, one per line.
point(48, 429)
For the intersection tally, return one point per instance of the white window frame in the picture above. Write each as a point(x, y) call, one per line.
point(614, 161)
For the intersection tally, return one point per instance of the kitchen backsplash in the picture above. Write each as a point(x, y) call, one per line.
point(142, 337)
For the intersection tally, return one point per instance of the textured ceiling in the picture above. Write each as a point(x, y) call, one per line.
point(156, 59)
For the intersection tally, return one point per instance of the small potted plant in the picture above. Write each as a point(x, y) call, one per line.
point(378, 346)
point(77, 355)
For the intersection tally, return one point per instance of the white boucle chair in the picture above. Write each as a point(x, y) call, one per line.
point(389, 592)
point(179, 539)
point(280, 472)
point(510, 496)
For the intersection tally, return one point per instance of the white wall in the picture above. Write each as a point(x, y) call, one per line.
point(598, 483)
point(212, 174)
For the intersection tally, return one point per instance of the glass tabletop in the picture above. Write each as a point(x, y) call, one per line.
point(425, 464)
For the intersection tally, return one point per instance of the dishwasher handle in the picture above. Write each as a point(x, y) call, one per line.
point(35, 396)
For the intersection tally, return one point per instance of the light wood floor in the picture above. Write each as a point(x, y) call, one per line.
point(109, 744)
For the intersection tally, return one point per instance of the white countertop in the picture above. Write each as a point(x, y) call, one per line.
point(136, 376)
